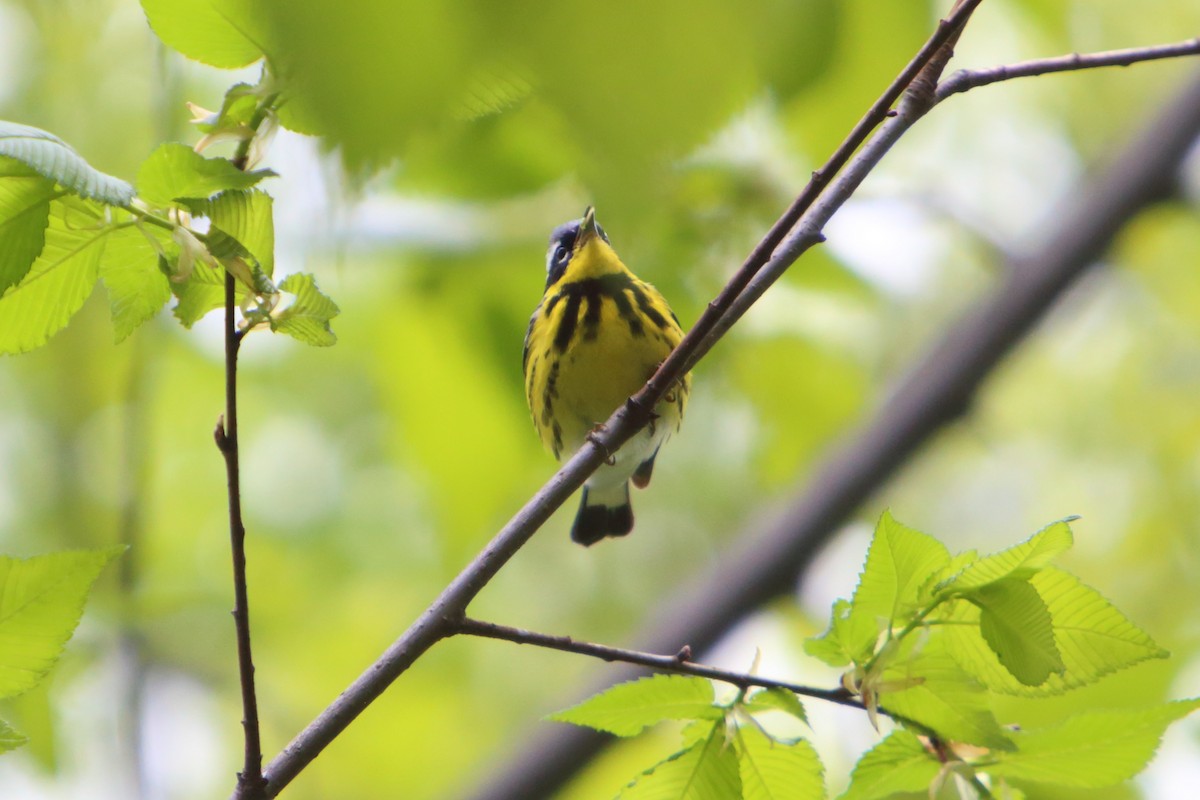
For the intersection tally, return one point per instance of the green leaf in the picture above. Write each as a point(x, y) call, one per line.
point(177, 172)
point(30, 713)
point(773, 771)
point(1016, 624)
point(237, 110)
point(934, 691)
point(1090, 750)
point(10, 739)
point(776, 699)
point(41, 600)
point(137, 287)
point(247, 217)
point(201, 291)
point(52, 158)
point(307, 317)
point(628, 708)
point(1020, 561)
point(850, 637)
point(708, 770)
point(59, 281)
point(210, 31)
point(24, 214)
point(899, 561)
point(1091, 635)
point(900, 763)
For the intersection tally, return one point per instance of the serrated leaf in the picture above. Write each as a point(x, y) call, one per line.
point(628, 708)
point(776, 699)
point(899, 561)
point(849, 638)
point(10, 739)
point(1016, 624)
point(177, 172)
point(24, 214)
point(210, 31)
point(137, 287)
point(1091, 750)
point(708, 770)
point(770, 770)
point(51, 157)
point(1019, 561)
point(247, 217)
point(900, 763)
point(41, 600)
point(60, 280)
point(307, 317)
point(1092, 636)
point(934, 691)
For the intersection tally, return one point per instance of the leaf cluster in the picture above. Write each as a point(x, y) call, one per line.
point(927, 639)
point(64, 226)
point(727, 751)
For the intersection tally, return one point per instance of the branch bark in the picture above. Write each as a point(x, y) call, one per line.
point(937, 390)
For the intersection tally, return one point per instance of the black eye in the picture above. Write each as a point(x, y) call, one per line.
point(560, 255)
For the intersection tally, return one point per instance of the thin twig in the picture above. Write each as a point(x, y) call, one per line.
point(251, 783)
point(440, 618)
point(680, 663)
point(965, 80)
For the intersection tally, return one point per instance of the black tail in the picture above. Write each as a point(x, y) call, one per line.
point(597, 519)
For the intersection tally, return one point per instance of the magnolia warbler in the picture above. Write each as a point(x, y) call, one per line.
point(597, 336)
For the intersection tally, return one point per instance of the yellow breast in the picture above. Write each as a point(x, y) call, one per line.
point(597, 336)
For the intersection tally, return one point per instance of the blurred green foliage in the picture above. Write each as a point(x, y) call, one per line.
point(375, 469)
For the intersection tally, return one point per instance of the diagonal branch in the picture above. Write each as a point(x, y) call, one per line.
point(965, 80)
point(937, 390)
point(439, 619)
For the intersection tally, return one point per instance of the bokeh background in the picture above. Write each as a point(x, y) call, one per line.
point(374, 470)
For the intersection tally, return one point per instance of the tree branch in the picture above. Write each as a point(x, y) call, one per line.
point(440, 618)
point(679, 663)
point(938, 389)
point(965, 80)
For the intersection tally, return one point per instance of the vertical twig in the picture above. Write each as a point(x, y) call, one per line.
point(251, 784)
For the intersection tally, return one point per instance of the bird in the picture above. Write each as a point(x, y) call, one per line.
point(593, 341)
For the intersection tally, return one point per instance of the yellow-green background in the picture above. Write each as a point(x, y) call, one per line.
point(373, 471)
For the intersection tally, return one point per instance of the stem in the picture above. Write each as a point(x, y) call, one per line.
point(918, 619)
point(679, 663)
point(251, 783)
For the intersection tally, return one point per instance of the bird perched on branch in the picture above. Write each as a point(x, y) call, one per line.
point(594, 340)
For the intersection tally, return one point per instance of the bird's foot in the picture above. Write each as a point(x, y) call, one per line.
point(593, 436)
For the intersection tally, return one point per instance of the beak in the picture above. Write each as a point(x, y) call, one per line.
point(587, 229)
